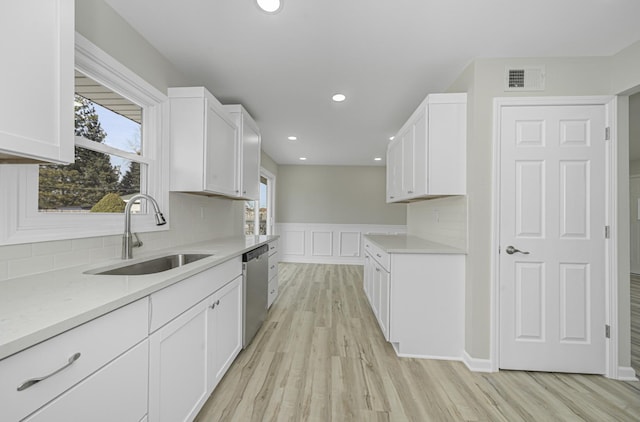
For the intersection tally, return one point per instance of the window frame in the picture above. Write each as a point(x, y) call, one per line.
point(23, 223)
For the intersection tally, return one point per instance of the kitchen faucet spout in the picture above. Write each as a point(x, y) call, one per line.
point(127, 241)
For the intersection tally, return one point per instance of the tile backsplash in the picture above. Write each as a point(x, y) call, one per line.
point(193, 219)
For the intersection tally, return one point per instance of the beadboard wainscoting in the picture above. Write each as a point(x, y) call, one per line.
point(328, 243)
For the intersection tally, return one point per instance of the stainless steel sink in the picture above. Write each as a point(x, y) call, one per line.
point(152, 266)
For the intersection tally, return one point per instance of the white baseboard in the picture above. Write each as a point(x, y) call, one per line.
point(477, 365)
point(627, 373)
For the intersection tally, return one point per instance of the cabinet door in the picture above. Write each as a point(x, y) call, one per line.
point(117, 392)
point(408, 162)
point(375, 290)
point(37, 80)
point(178, 367)
point(420, 155)
point(394, 170)
point(383, 309)
point(250, 160)
point(221, 153)
point(368, 276)
point(224, 335)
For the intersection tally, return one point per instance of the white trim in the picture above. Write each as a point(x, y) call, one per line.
point(271, 199)
point(22, 223)
point(611, 282)
point(627, 373)
point(307, 254)
point(477, 365)
point(611, 248)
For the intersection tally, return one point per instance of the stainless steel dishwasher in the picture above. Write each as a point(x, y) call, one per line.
point(255, 279)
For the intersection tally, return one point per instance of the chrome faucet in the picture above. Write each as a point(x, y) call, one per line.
point(127, 241)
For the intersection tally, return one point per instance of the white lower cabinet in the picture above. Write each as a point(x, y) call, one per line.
point(117, 392)
point(382, 282)
point(190, 354)
point(418, 300)
point(224, 333)
point(274, 257)
point(178, 367)
point(377, 290)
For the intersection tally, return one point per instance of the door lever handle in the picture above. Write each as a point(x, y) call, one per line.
point(511, 250)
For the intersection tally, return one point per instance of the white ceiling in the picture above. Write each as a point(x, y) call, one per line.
point(385, 56)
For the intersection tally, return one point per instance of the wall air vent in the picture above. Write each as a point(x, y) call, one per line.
point(524, 78)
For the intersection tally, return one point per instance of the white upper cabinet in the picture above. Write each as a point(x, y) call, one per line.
point(36, 81)
point(204, 144)
point(427, 158)
point(249, 158)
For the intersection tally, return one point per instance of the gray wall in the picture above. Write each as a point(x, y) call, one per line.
point(483, 80)
point(335, 194)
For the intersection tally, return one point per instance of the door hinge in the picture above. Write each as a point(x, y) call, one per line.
point(607, 331)
point(607, 232)
point(607, 133)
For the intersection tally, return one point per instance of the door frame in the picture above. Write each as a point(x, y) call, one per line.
point(611, 209)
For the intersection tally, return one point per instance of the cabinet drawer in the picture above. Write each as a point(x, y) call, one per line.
point(273, 247)
point(273, 268)
point(117, 392)
point(171, 301)
point(97, 342)
point(380, 256)
point(273, 291)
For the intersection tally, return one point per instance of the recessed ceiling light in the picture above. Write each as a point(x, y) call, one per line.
point(338, 98)
point(270, 6)
point(378, 159)
point(391, 138)
point(303, 158)
point(292, 138)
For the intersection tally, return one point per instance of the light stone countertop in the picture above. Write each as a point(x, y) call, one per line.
point(402, 243)
point(37, 307)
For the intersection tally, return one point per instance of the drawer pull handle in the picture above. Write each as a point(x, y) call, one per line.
point(273, 266)
point(378, 255)
point(34, 381)
point(377, 269)
point(214, 304)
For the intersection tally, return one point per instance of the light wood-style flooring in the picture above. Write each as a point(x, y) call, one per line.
point(320, 356)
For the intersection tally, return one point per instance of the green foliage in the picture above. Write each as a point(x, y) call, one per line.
point(130, 182)
point(87, 180)
point(111, 202)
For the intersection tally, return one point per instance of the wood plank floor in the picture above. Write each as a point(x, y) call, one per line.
point(321, 357)
point(635, 323)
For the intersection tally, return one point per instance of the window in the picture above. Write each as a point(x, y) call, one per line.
point(119, 145)
point(259, 214)
point(109, 163)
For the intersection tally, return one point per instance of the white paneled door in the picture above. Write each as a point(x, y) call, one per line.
point(552, 240)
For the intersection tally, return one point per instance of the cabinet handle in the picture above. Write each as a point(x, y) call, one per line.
point(273, 267)
point(392, 197)
point(214, 304)
point(34, 381)
point(273, 291)
point(409, 191)
point(377, 269)
point(378, 255)
point(244, 192)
